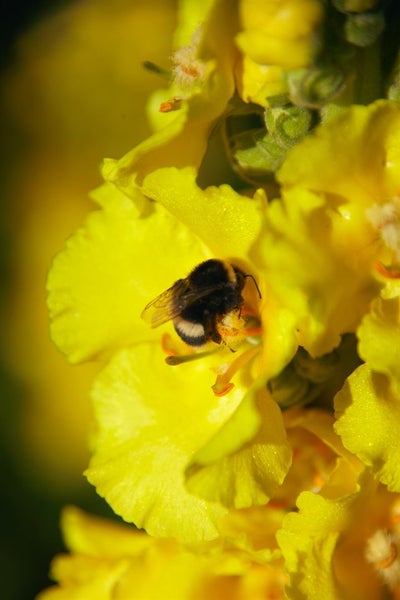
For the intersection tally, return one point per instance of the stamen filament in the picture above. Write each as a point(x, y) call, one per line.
point(385, 272)
point(174, 359)
point(223, 383)
point(154, 68)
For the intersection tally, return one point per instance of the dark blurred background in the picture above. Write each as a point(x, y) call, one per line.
point(72, 91)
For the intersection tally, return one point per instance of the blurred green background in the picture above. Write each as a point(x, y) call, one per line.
point(72, 91)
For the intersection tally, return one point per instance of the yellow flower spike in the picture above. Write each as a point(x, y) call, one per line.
point(225, 221)
point(279, 33)
point(99, 284)
point(368, 421)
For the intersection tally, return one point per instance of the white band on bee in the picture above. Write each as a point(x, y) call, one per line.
point(189, 330)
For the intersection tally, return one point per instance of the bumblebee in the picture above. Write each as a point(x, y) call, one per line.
point(200, 301)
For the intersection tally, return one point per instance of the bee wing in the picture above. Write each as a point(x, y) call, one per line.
point(166, 306)
point(172, 302)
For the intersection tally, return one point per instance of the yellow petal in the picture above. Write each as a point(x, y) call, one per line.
point(368, 421)
point(90, 535)
point(279, 33)
point(151, 419)
point(113, 561)
point(247, 459)
point(256, 83)
point(310, 544)
point(110, 269)
point(84, 578)
point(336, 159)
point(225, 221)
point(379, 339)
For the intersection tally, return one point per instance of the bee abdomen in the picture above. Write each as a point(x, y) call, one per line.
point(191, 333)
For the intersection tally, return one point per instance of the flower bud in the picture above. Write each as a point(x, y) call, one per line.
point(364, 29)
point(315, 86)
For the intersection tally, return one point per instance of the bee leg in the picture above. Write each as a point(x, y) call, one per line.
point(210, 327)
point(216, 337)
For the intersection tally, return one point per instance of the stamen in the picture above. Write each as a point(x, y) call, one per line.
point(168, 344)
point(382, 552)
point(253, 331)
point(174, 360)
point(395, 515)
point(386, 563)
point(385, 218)
point(154, 68)
point(189, 69)
point(318, 482)
point(223, 383)
point(386, 272)
point(171, 105)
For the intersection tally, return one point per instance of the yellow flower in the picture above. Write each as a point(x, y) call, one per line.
point(162, 447)
point(368, 406)
point(320, 464)
point(136, 566)
point(205, 49)
point(343, 547)
point(319, 250)
point(170, 455)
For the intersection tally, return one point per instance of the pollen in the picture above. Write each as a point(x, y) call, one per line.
point(382, 552)
point(171, 105)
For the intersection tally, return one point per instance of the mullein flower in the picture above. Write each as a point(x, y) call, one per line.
point(137, 566)
point(202, 83)
point(343, 547)
point(319, 248)
point(367, 407)
point(229, 444)
point(244, 561)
